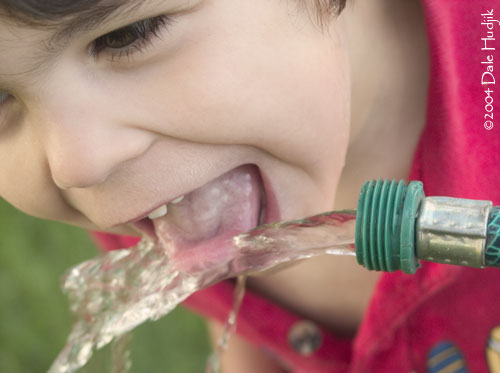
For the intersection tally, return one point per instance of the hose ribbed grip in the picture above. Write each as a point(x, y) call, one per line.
point(492, 251)
point(385, 225)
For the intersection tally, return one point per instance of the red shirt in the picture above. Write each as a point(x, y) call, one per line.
point(443, 317)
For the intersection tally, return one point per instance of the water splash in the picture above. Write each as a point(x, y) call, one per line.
point(120, 354)
point(112, 294)
point(213, 361)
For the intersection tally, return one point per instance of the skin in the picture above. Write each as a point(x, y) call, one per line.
point(193, 101)
point(96, 143)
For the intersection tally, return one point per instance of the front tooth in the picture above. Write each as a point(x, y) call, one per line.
point(158, 213)
point(177, 200)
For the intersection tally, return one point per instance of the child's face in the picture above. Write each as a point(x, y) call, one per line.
point(98, 143)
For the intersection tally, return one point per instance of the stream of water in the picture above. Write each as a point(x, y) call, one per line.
point(113, 293)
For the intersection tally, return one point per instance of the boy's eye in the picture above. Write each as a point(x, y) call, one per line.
point(4, 96)
point(131, 38)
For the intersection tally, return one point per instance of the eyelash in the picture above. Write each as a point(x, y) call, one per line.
point(4, 98)
point(142, 32)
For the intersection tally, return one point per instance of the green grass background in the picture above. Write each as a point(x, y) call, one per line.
point(34, 316)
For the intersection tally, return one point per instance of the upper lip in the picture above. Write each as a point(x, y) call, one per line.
point(145, 214)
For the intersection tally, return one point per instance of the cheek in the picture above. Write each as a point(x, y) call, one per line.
point(293, 103)
point(286, 94)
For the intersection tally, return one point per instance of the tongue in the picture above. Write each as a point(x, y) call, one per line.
point(197, 231)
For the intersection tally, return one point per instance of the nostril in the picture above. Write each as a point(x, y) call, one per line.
point(60, 184)
point(76, 177)
point(73, 166)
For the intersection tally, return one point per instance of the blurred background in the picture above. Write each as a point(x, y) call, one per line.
point(34, 315)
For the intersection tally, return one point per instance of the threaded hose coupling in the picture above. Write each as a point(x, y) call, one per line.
point(396, 225)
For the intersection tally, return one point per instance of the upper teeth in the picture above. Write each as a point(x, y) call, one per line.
point(162, 210)
point(177, 200)
point(159, 212)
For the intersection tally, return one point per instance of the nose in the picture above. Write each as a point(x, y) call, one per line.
point(86, 138)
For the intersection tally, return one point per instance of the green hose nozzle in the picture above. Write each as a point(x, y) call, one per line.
point(396, 225)
point(492, 252)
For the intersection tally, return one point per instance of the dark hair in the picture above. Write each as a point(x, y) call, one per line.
point(41, 11)
point(49, 12)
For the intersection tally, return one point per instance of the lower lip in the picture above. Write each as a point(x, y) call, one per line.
point(272, 212)
point(146, 227)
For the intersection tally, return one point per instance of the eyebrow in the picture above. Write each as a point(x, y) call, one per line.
point(91, 19)
point(70, 26)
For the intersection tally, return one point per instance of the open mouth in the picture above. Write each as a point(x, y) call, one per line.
point(195, 228)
